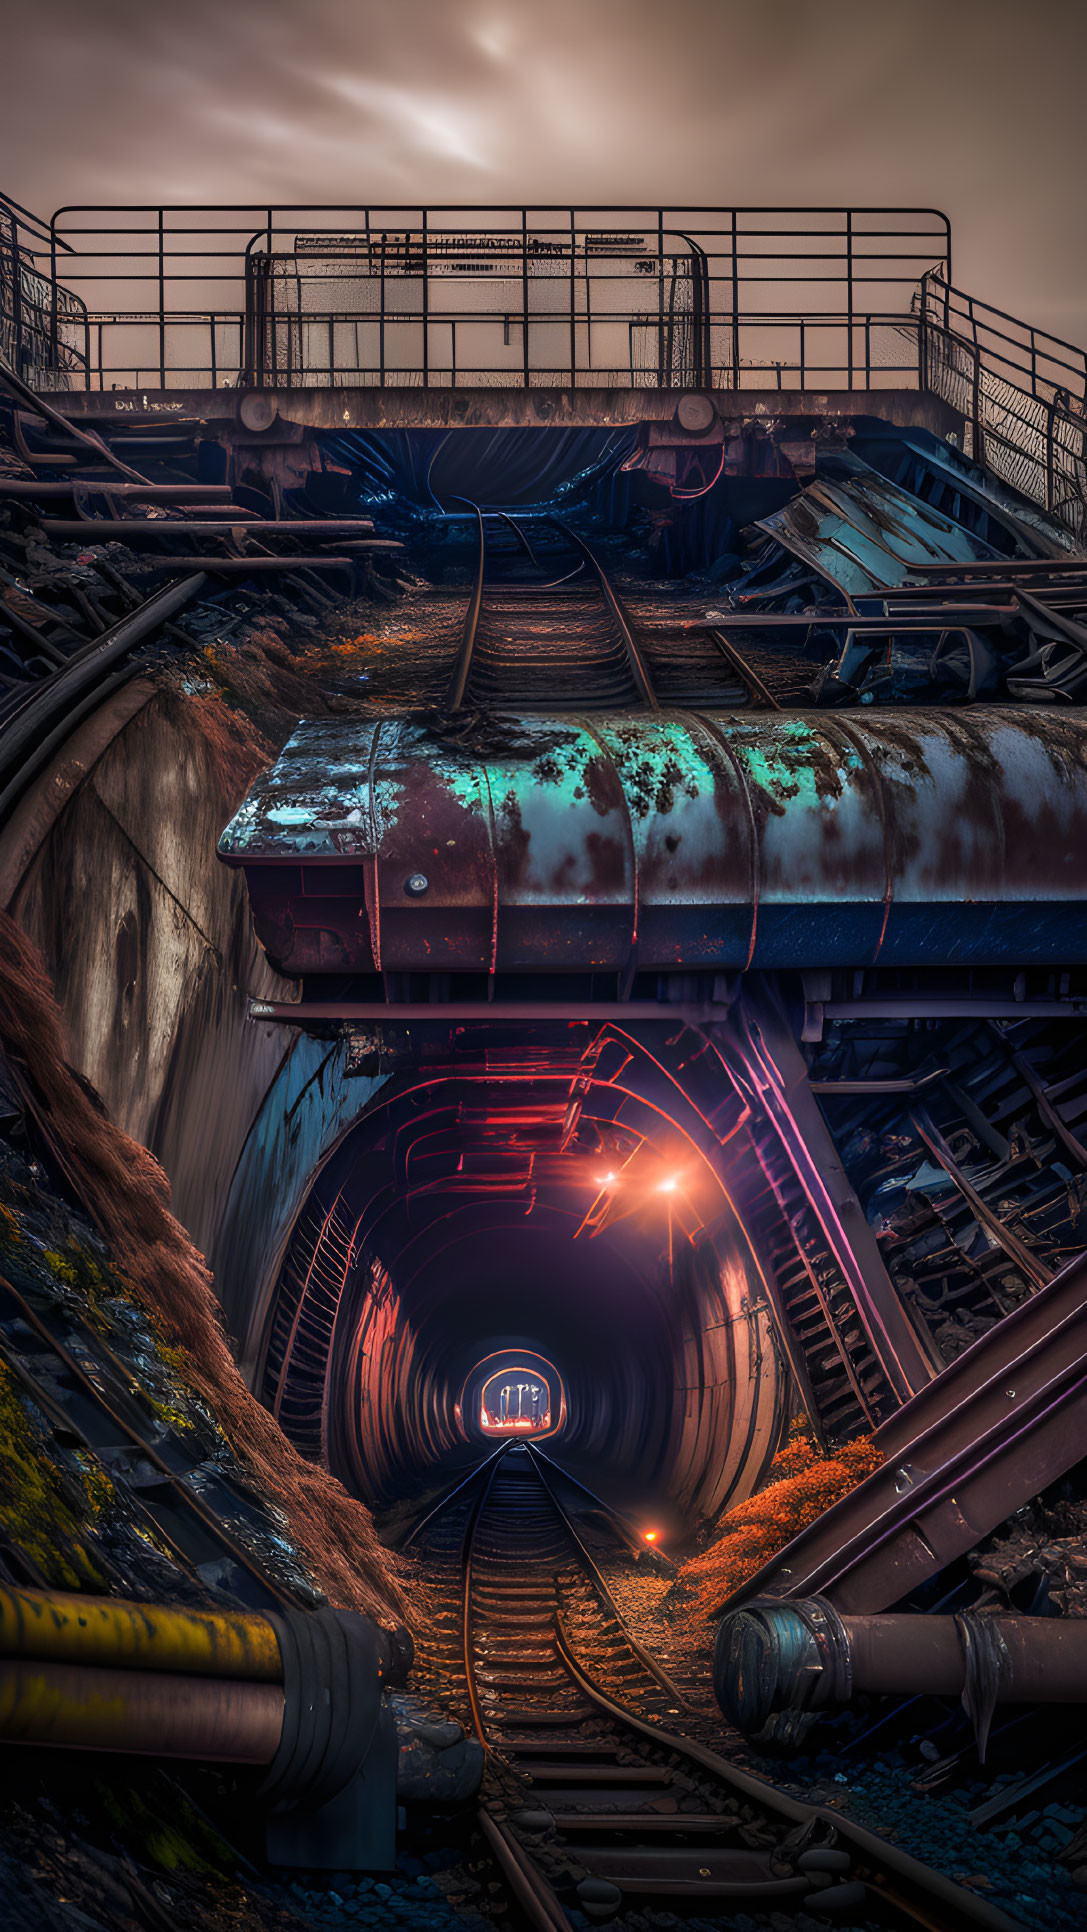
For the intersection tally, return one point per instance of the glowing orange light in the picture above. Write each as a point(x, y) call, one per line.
point(669, 1185)
point(607, 1180)
point(651, 1535)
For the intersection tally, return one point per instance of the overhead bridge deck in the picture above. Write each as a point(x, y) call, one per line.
point(695, 322)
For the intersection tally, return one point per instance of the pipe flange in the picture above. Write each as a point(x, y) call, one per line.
point(333, 1661)
point(777, 1655)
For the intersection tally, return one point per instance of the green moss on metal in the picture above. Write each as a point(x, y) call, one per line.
point(47, 1511)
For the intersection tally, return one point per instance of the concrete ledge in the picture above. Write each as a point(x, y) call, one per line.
point(337, 409)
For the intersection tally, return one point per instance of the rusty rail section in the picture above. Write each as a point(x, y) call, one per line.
point(851, 1345)
point(458, 683)
point(643, 683)
point(1003, 1420)
point(491, 655)
point(900, 1880)
point(600, 1796)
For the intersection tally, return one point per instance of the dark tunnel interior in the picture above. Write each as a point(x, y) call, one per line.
point(489, 1211)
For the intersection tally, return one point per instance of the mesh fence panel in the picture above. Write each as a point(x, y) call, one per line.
point(41, 326)
point(480, 311)
point(1031, 432)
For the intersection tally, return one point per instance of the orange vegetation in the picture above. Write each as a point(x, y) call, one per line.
point(801, 1486)
point(127, 1194)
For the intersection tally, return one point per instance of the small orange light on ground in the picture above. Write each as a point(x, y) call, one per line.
point(650, 1535)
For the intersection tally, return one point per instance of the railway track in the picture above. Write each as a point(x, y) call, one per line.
point(605, 1807)
point(542, 623)
point(166, 1474)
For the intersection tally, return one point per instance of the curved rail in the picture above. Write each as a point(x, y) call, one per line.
point(953, 1463)
point(458, 683)
point(903, 1881)
point(617, 1804)
point(108, 1417)
point(52, 709)
point(635, 660)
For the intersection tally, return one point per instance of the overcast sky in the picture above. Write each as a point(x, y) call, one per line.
point(974, 106)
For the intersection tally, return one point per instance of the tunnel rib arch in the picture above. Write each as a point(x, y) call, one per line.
point(577, 1208)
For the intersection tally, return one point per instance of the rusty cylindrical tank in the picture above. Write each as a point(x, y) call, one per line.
point(682, 840)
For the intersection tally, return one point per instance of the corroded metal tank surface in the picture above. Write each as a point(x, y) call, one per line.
point(681, 840)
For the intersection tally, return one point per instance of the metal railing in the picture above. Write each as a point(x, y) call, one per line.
point(1023, 395)
point(152, 298)
point(526, 297)
point(41, 323)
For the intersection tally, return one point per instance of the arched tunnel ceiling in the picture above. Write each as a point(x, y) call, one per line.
point(578, 1208)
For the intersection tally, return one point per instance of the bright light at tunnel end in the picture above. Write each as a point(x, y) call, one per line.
point(668, 1185)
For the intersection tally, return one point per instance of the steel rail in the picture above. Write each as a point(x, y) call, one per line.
point(181, 493)
point(999, 1423)
point(739, 663)
point(467, 1549)
point(930, 1887)
point(879, 1875)
point(638, 669)
point(454, 697)
point(1029, 1264)
point(159, 529)
point(618, 1520)
point(449, 1496)
point(600, 1586)
point(180, 1490)
point(51, 704)
point(249, 566)
point(17, 387)
point(528, 1884)
point(1070, 1141)
point(391, 1012)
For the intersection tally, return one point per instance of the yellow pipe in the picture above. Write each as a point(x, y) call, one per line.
point(139, 1711)
point(64, 1628)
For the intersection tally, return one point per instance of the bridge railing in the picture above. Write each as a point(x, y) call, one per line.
point(1023, 395)
point(141, 298)
point(42, 323)
point(506, 297)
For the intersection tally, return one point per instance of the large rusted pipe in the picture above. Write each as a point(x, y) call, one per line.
point(149, 1713)
point(672, 841)
point(65, 1628)
point(1044, 1659)
point(799, 1654)
point(118, 1633)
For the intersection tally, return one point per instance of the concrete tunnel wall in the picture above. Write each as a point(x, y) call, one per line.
point(109, 865)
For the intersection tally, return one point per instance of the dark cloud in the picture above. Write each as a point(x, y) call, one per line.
point(974, 106)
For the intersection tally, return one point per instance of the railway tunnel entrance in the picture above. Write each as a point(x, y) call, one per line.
point(517, 1396)
point(544, 1215)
